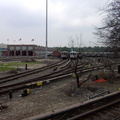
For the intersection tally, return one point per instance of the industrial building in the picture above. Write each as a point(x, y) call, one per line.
point(3, 47)
point(26, 50)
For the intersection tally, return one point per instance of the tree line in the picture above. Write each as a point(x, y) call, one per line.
point(85, 49)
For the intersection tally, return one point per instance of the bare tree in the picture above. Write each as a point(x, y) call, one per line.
point(71, 43)
point(75, 62)
point(109, 33)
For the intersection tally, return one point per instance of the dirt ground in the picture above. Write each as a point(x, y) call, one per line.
point(53, 96)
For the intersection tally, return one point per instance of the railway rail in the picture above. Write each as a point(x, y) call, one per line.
point(86, 111)
point(16, 82)
point(104, 112)
point(30, 72)
point(36, 77)
point(106, 107)
point(44, 79)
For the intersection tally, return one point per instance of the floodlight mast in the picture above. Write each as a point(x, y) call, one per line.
point(46, 29)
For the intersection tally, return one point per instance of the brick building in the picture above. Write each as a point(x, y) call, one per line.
point(25, 50)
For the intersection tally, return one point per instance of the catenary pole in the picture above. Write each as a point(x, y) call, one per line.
point(46, 29)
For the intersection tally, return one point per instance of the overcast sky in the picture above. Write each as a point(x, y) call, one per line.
point(26, 19)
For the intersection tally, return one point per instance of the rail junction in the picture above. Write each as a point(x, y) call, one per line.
point(31, 77)
point(88, 110)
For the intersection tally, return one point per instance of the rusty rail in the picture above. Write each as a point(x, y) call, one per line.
point(55, 113)
point(94, 110)
point(24, 84)
point(26, 73)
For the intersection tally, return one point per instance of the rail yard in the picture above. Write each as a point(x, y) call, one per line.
point(53, 93)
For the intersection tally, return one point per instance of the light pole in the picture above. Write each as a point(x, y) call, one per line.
point(46, 28)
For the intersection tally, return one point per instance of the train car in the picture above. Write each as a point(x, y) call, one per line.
point(101, 54)
point(79, 55)
point(73, 55)
point(65, 55)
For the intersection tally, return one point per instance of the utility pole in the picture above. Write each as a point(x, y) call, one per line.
point(46, 29)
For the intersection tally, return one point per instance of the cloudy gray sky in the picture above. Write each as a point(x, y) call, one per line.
point(26, 19)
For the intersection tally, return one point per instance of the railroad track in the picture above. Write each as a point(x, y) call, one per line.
point(16, 82)
point(30, 72)
point(56, 74)
point(10, 82)
point(65, 72)
point(108, 111)
point(106, 107)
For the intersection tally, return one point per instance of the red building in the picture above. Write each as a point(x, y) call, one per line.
point(56, 53)
point(25, 50)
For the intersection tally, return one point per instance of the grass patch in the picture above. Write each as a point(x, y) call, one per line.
point(20, 63)
point(6, 68)
point(14, 65)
